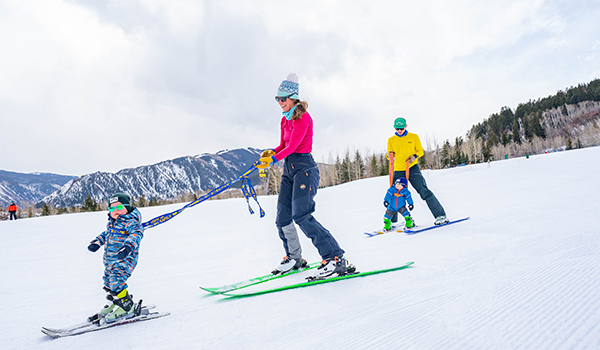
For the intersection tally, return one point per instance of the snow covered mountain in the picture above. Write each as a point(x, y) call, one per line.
point(28, 188)
point(164, 180)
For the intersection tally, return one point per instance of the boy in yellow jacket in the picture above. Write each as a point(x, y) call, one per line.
point(406, 148)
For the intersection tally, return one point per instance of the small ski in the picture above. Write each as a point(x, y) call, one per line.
point(144, 310)
point(257, 280)
point(412, 232)
point(315, 282)
point(86, 327)
point(395, 228)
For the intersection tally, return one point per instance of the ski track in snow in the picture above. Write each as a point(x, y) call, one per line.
point(522, 273)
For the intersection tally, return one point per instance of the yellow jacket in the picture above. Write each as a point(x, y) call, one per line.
point(403, 147)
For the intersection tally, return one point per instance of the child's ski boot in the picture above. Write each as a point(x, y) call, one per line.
point(387, 224)
point(108, 308)
point(409, 222)
point(124, 307)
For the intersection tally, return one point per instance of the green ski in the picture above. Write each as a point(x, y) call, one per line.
point(312, 283)
point(257, 280)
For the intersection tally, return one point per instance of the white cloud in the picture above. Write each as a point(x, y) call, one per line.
point(187, 77)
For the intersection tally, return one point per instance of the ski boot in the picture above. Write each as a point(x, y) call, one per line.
point(124, 307)
point(105, 310)
point(387, 224)
point(440, 220)
point(338, 265)
point(410, 223)
point(288, 264)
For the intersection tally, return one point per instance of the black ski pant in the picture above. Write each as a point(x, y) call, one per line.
point(299, 184)
point(13, 214)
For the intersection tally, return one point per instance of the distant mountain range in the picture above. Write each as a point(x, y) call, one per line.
point(28, 188)
point(164, 180)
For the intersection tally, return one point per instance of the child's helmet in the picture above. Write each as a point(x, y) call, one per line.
point(402, 180)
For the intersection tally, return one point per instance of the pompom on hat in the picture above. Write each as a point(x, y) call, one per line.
point(289, 87)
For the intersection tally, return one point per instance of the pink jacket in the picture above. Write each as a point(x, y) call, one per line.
point(296, 136)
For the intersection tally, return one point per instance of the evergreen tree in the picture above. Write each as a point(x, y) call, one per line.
point(457, 156)
point(345, 173)
point(487, 152)
point(384, 165)
point(445, 154)
point(516, 132)
point(89, 204)
point(142, 201)
point(374, 166)
point(358, 166)
point(569, 144)
point(493, 140)
point(45, 210)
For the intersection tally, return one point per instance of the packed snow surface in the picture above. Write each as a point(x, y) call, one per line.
point(522, 273)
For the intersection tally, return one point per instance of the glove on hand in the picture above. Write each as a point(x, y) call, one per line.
point(94, 246)
point(123, 252)
point(411, 207)
point(266, 162)
point(267, 153)
point(386, 204)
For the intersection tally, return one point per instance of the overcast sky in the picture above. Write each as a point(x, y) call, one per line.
point(90, 86)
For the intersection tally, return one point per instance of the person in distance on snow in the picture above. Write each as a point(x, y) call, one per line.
point(396, 198)
point(407, 147)
point(12, 210)
point(121, 242)
point(299, 184)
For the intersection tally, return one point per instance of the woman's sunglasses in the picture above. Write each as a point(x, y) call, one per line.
point(118, 207)
point(281, 99)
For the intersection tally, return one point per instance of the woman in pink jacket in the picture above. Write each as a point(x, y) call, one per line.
point(299, 184)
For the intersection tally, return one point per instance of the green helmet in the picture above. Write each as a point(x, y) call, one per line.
point(400, 123)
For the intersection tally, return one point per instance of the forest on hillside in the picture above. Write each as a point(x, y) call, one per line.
point(567, 120)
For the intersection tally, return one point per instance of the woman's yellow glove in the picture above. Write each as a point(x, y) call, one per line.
point(267, 153)
point(265, 162)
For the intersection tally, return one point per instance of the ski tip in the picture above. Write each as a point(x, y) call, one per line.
point(49, 333)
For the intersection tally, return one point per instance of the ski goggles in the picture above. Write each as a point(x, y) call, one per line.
point(117, 207)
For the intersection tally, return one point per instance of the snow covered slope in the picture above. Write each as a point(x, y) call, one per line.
point(523, 273)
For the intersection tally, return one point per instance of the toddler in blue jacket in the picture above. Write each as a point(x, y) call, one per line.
point(121, 242)
point(395, 201)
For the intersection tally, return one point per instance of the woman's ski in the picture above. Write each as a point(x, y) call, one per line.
point(315, 282)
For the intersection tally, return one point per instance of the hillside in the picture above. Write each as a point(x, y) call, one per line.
point(28, 188)
point(162, 181)
point(523, 273)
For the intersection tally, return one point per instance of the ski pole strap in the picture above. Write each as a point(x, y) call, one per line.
point(166, 217)
point(391, 166)
point(248, 191)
